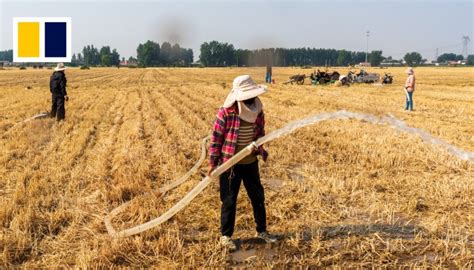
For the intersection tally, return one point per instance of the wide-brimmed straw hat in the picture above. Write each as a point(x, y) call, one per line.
point(243, 87)
point(409, 71)
point(60, 67)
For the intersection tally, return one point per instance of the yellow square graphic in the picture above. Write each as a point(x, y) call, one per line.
point(28, 39)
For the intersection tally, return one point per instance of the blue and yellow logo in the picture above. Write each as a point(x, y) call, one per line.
point(42, 39)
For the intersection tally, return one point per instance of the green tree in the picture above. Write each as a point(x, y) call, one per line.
point(413, 58)
point(343, 58)
point(166, 53)
point(6, 55)
point(86, 53)
point(91, 55)
point(79, 59)
point(148, 54)
point(470, 60)
point(216, 54)
point(176, 56)
point(74, 60)
point(375, 58)
point(105, 56)
point(115, 58)
point(189, 57)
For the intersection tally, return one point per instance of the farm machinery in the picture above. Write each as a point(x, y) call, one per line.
point(321, 77)
point(298, 79)
point(365, 77)
point(316, 77)
point(324, 77)
point(387, 78)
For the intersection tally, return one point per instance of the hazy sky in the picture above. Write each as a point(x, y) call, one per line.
point(396, 26)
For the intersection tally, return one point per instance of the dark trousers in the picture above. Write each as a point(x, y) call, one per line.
point(57, 107)
point(229, 189)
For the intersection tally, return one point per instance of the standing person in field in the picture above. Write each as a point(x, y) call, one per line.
point(57, 87)
point(268, 76)
point(409, 88)
point(239, 122)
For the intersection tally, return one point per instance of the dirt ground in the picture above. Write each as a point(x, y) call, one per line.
point(340, 193)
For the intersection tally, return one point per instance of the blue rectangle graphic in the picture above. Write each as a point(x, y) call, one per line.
point(55, 39)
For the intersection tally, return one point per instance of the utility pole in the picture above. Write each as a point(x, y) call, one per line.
point(367, 48)
point(465, 44)
point(437, 55)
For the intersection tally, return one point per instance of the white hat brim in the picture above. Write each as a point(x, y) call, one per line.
point(237, 95)
point(230, 99)
point(255, 92)
point(59, 69)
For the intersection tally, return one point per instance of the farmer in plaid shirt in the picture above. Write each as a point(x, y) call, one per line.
point(239, 122)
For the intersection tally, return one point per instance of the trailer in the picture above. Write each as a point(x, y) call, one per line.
point(365, 77)
point(298, 79)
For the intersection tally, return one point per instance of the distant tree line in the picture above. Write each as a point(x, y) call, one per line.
point(445, 57)
point(470, 60)
point(221, 54)
point(151, 54)
point(91, 56)
point(218, 54)
point(6, 55)
point(304, 57)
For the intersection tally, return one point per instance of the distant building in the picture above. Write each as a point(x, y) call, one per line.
point(456, 63)
point(128, 63)
point(197, 64)
point(5, 63)
point(428, 62)
point(391, 63)
point(364, 64)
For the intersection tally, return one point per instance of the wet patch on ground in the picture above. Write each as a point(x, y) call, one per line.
point(253, 251)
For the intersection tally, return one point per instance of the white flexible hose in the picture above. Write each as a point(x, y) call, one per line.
point(289, 128)
point(181, 204)
point(37, 116)
point(196, 166)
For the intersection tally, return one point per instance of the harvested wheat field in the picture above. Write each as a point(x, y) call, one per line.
point(340, 192)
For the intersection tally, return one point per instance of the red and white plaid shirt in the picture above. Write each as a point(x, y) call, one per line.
point(225, 133)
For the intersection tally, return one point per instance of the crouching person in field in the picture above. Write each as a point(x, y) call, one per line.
point(57, 87)
point(239, 122)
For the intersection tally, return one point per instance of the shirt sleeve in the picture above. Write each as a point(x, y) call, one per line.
point(261, 125)
point(261, 133)
point(217, 138)
point(51, 84)
point(62, 84)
